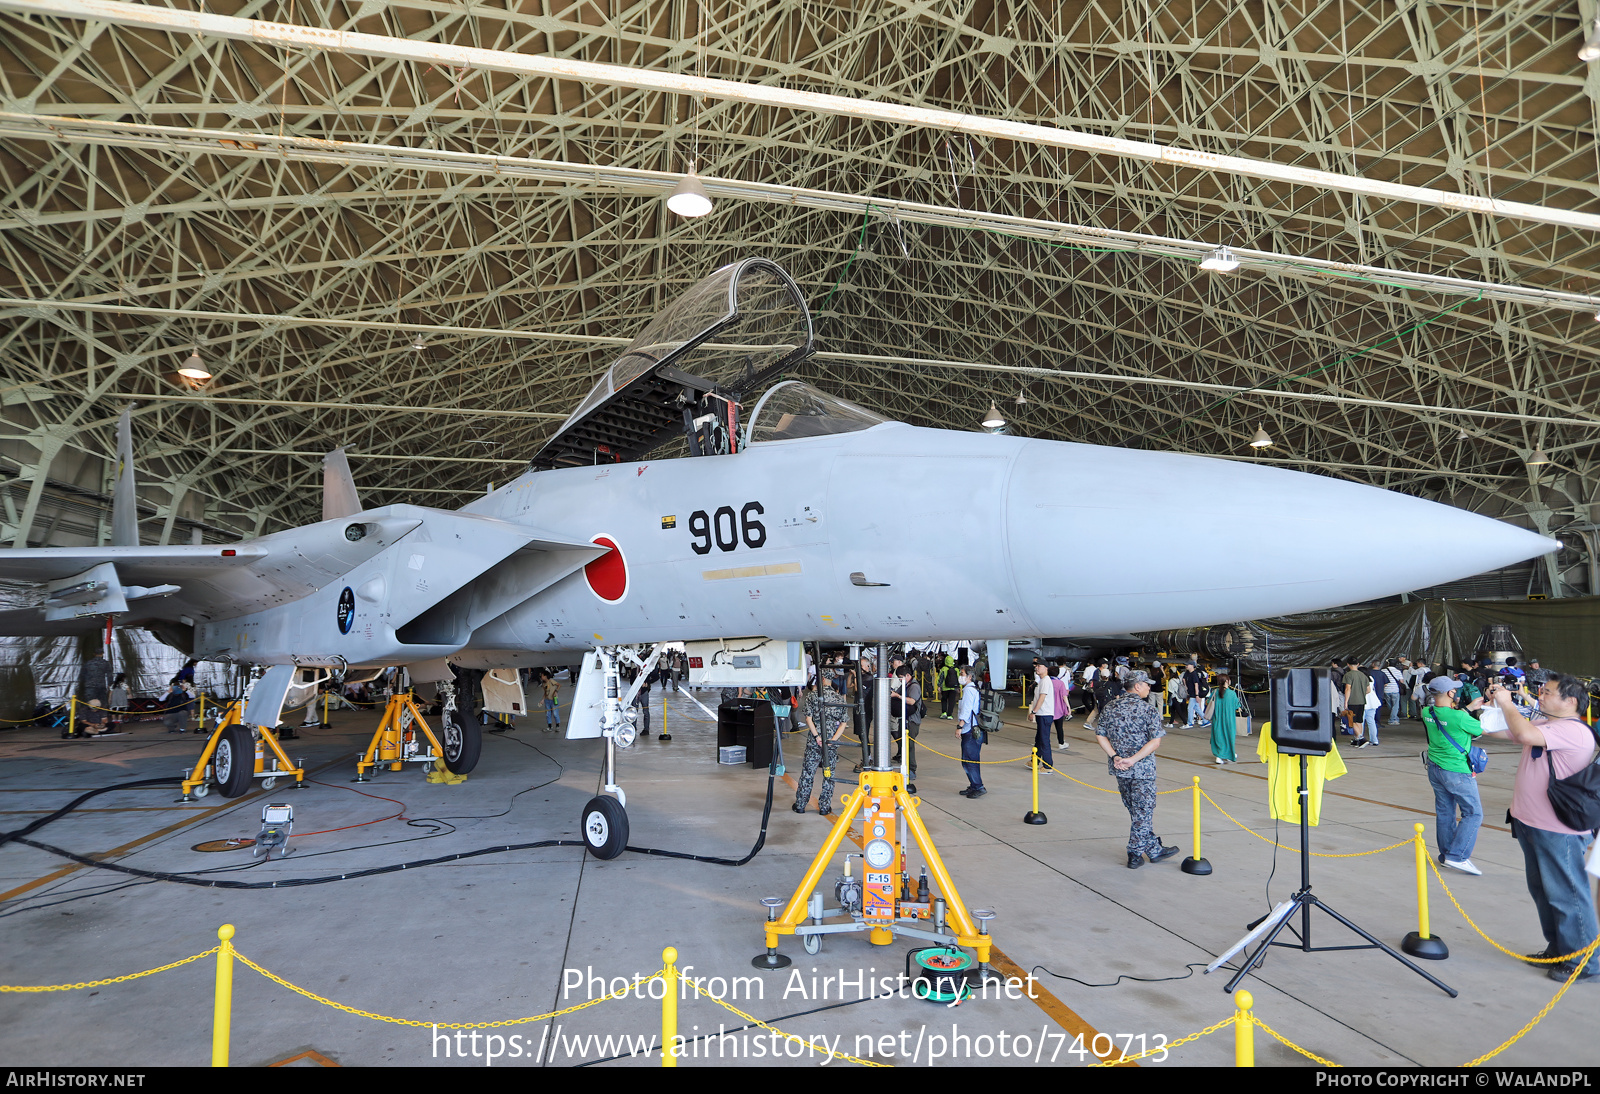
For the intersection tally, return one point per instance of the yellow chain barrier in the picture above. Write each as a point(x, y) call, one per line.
point(1168, 1047)
point(774, 1029)
point(946, 755)
point(152, 710)
point(446, 1025)
point(1080, 782)
point(1103, 790)
point(1535, 1020)
point(113, 980)
point(1520, 957)
point(34, 718)
point(1314, 854)
point(1284, 1040)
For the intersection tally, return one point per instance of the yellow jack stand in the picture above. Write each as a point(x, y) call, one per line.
point(886, 906)
point(396, 741)
point(201, 779)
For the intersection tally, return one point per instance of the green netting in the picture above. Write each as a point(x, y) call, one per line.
point(1562, 634)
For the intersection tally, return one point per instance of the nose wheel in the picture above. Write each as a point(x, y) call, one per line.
point(605, 827)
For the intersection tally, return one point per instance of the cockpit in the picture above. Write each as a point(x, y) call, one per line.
point(794, 410)
point(687, 373)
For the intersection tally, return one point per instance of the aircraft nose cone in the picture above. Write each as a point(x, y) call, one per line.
point(1110, 540)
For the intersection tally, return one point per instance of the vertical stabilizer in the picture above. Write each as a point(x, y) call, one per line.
point(124, 504)
point(339, 498)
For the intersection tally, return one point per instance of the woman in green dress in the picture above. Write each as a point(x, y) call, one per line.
point(1225, 704)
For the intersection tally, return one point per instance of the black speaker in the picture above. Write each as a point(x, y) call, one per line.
point(1302, 714)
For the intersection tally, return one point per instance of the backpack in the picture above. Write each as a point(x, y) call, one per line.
point(990, 704)
point(1576, 798)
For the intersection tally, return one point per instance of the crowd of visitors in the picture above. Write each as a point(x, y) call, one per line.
point(1130, 708)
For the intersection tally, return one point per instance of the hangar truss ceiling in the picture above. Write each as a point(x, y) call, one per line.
point(517, 285)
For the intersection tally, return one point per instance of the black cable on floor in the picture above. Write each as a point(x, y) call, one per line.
point(1191, 966)
point(289, 883)
point(29, 829)
point(761, 839)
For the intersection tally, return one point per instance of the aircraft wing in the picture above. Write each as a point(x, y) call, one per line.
point(82, 584)
point(138, 565)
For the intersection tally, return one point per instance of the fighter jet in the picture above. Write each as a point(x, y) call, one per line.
point(662, 511)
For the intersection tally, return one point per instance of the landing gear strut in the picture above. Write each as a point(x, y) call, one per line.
point(605, 819)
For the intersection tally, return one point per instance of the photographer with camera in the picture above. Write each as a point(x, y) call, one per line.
point(1557, 748)
point(1449, 759)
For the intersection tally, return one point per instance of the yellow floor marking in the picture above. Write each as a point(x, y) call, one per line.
point(309, 1054)
point(1054, 1009)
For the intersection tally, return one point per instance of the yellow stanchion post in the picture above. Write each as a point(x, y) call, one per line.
point(222, 1006)
point(1033, 816)
point(669, 1006)
point(1420, 942)
point(325, 709)
point(202, 710)
point(72, 716)
point(1244, 1031)
point(1194, 864)
point(665, 736)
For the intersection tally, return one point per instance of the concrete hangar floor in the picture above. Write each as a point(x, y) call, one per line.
point(507, 936)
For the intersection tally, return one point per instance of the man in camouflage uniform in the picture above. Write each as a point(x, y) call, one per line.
point(824, 712)
point(1129, 731)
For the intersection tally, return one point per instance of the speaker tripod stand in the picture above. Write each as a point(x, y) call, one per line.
point(1303, 900)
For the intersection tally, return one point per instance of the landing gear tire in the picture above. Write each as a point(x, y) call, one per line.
point(605, 827)
point(463, 741)
point(233, 762)
point(812, 943)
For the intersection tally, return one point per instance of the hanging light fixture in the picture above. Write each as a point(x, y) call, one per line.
point(1538, 459)
point(1022, 396)
point(993, 420)
point(1261, 439)
point(194, 370)
point(1220, 260)
point(417, 343)
point(1590, 50)
point(689, 197)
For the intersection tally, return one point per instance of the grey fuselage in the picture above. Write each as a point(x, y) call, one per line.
point(951, 535)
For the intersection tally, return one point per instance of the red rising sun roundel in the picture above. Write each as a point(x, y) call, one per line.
point(608, 574)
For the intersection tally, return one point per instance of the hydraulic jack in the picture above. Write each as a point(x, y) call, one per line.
point(235, 754)
point(880, 817)
point(402, 737)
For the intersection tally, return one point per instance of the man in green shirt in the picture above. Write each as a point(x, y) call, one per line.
point(1451, 732)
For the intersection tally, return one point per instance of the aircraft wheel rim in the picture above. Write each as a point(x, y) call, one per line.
point(596, 829)
point(222, 760)
point(452, 738)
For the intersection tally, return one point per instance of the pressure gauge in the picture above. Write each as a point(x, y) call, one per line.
point(877, 830)
point(880, 854)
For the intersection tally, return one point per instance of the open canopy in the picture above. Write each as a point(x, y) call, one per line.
point(730, 332)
